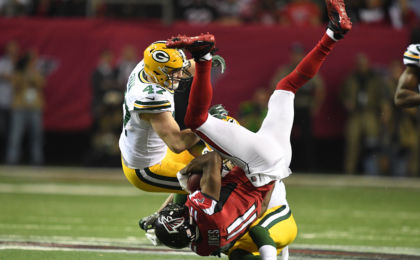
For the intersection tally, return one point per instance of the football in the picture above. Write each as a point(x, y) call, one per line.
point(193, 182)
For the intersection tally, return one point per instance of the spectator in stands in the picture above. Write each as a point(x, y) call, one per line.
point(7, 66)
point(307, 105)
point(235, 11)
point(103, 80)
point(267, 11)
point(362, 95)
point(106, 110)
point(104, 141)
point(399, 128)
point(373, 12)
point(15, 7)
point(300, 13)
point(402, 15)
point(27, 109)
point(197, 11)
point(126, 64)
point(252, 112)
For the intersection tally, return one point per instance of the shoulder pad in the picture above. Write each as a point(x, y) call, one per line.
point(151, 98)
point(412, 55)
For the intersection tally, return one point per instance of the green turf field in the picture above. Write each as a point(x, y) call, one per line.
point(65, 213)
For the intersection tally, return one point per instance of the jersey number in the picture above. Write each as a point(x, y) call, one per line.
point(150, 90)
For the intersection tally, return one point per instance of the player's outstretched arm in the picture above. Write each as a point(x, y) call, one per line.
point(407, 94)
point(168, 130)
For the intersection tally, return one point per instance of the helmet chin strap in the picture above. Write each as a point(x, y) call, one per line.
point(151, 78)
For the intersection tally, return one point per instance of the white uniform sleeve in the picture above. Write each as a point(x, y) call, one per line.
point(412, 55)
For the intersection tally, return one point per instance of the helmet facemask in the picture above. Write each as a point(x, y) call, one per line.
point(175, 76)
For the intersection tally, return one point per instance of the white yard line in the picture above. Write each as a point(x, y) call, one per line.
point(74, 189)
point(139, 242)
point(116, 174)
point(361, 249)
point(154, 251)
point(341, 180)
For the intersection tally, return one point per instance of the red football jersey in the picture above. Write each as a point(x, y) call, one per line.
point(222, 222)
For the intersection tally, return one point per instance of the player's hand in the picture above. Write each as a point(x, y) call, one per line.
point(148, 222)
point(219, 62)
point(183, 179)
point(218, 111)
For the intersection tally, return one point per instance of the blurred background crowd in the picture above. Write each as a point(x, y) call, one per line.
point(377, 138)
point(397, 13)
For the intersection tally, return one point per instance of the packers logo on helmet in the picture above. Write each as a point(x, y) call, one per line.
point(160, 56)
point(165, 66)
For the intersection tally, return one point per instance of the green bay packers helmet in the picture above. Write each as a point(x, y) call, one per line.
point(161, 63)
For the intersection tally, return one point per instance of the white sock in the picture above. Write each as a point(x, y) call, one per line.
point(285, 253)
point(206, 57)
point(268, 252)
point(331, 34)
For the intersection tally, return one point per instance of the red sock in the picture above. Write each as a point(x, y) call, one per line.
point(308, 67)
point(200, 96)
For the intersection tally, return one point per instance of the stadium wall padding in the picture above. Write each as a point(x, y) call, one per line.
point(252, 53)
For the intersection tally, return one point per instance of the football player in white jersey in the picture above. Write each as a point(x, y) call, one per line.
point(407, 94)
point(153, 147)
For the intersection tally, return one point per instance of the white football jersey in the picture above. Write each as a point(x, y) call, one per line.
point(140, 145)
point(412, 55)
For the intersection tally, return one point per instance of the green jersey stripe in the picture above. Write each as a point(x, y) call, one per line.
point(151, 103)
point(152, 108)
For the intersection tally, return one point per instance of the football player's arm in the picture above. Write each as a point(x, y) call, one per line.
point(166, 127)
point(266, 201)
point(210, 164)
point(407, 94)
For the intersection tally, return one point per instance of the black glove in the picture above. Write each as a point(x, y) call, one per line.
point(148, 222)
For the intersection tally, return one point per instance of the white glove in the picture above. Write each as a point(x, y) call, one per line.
point(151, 235)
point(183, 180)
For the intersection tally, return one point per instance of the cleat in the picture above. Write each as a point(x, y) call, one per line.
point(198, 46)
point(339, 22)
point(148, 222)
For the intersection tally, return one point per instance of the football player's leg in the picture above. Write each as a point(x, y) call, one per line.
point(279, 120)
point(160, 177)
point(221, 135)
point(338, 25)
point(275, 230)
point(308, 67)
point(200, 97)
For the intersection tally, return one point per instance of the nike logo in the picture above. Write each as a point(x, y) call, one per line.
point(150, 98)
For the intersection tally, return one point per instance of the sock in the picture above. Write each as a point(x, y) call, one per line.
point(308, 67)
point(206, 57)
point(200, 96)
point(330, 33)
point(268, 252)
point(261, 236)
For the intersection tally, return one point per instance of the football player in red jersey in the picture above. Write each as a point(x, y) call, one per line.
point(216, 216)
